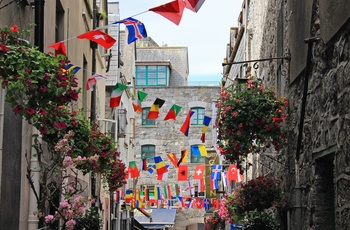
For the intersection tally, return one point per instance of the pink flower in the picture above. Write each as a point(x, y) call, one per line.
point(49, 218)
point(67, 161)
point(234, 114)
point(70, 224)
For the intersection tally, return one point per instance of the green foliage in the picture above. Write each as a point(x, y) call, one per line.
point(249, 119)
point(257, 220)
point(91, 220)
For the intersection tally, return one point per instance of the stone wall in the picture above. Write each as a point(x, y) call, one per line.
point(167, 137)
point(324, 163)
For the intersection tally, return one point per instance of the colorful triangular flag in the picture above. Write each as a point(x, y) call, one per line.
point(206, 122)
point(154, 111)
point(173, 112)
point(194, 5)
point(173, 159)
point(133, 170)
point(99, 37)
point(183, 158)
point(160, 165)
point(186, 125)
point(136, 29)
point(59, 48)
point(172, 11)
point(138, 99)
point(92, 81)
point(117, 95)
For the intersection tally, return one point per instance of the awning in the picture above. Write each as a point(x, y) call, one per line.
point(161, 218)
point(137, 225)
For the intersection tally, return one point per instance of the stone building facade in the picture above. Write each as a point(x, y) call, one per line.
point(167, 138)
point(314, 167)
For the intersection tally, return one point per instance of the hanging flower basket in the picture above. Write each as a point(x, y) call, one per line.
point(250, 119)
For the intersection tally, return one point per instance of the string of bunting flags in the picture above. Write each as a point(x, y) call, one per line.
point(172, 11)
point(170, 195)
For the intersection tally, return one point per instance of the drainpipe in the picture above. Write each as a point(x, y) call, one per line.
point(33, 219)
point(298, 203)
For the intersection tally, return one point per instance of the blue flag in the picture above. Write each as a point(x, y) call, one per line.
point(135, 28)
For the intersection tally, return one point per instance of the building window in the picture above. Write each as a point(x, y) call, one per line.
point(145, 121)
point(152, 75)
point(148, 152)
point(197, 159)
point(198, 116)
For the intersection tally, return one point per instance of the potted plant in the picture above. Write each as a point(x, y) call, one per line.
point(250, 118)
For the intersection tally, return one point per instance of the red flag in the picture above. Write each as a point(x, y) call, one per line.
point(186, 125)
point(233, 173)
point(199, 172)
point(99, 37)
point(133, 170)
point(182, 173)
point(171, 11)
point(59, 48)
point(194, 5)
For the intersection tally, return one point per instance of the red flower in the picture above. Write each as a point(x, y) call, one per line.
point(60, 125)
point(17, 109)
point(4, 48)
point(30, 111)
point(43, 88)
point(5, 83)
point(63, 84)
point(43, 130)
point(14, 29)
point(42, 112)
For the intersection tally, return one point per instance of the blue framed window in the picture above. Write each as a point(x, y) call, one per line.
point(145, 121)
point(148, 152)
point(197, 159)
point(152, 75)
point(198, 116)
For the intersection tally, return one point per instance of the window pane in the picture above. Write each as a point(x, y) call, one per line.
point(148, 152)
point(198, 116)
point(145, 121)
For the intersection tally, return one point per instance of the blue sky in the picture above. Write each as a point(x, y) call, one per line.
point(205, 33)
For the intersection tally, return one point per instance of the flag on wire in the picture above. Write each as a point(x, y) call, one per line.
point(99, 37)
point(206, 122)
point(173, 159)
point(216, 172)
point(136, 29)
point(172, 11)
point(186, 125)
point(92, 81)
point(154, 111)
point(183, 158)
point(173, 112)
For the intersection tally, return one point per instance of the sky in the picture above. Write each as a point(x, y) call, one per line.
point(205, 33)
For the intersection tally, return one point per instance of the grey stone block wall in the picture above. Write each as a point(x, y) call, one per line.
point(167, 137)
point(324, 164)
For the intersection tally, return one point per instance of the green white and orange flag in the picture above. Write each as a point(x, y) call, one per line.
point(137, 103)
point(154, 111)
point(117, 95)
point(133, 170)
point(172, 157)
point(173, 112)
